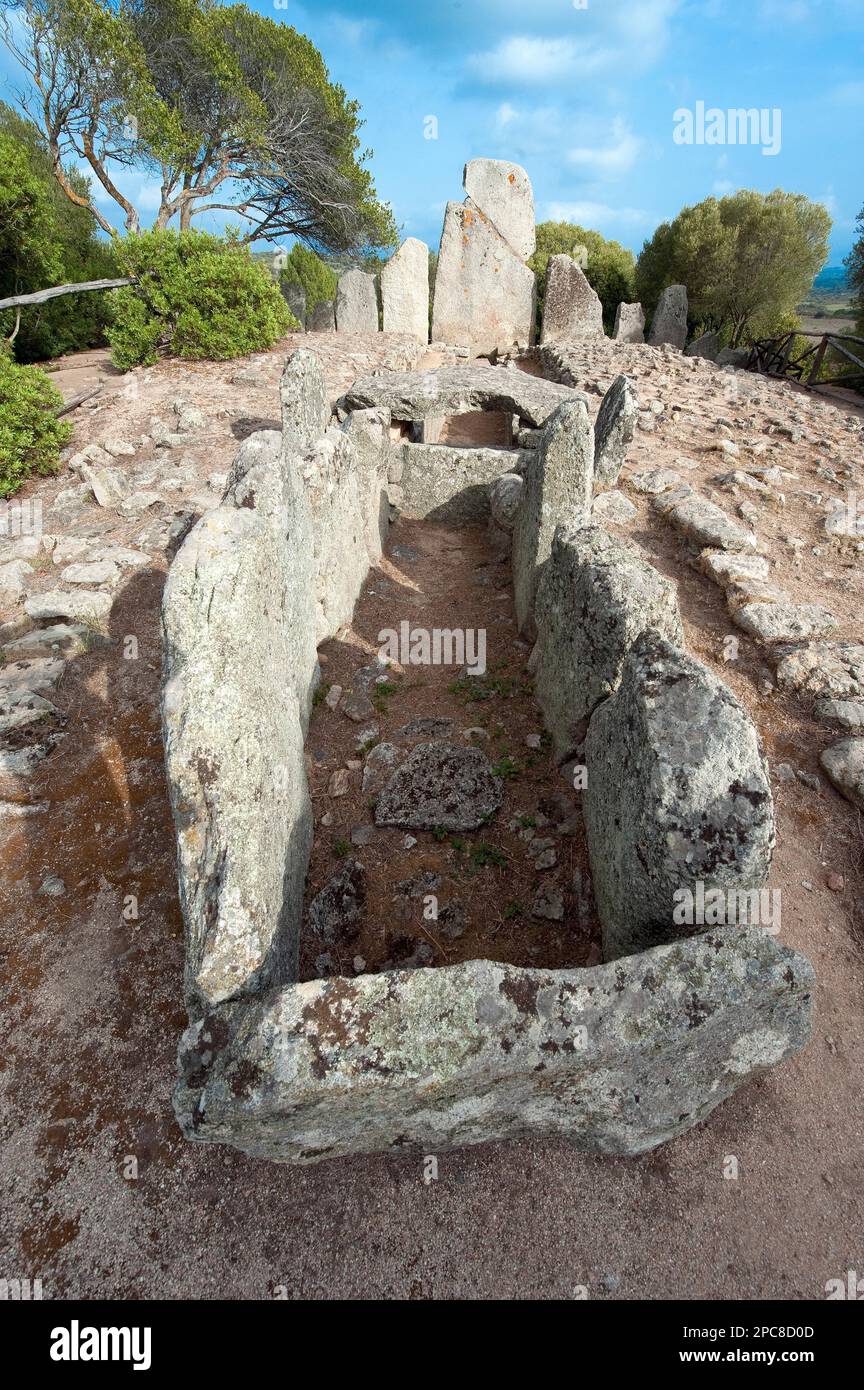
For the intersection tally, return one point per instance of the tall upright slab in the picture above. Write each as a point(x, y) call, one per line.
point(405, 290)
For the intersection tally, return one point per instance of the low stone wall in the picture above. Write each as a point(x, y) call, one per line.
point(617, 1058)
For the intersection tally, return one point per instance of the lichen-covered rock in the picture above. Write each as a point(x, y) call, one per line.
point(485, 295)
point(369, 433)
point(234, 753)
point(613, 508)
point(405, 290)
point(828, 670)
point(629, 323)
point(440, 785)
point(725, 568)
point(338, 503)
point(849, 714)
point(356, 303)
point(446, 482)
point(707, 345)
point(669, 324)
point(678, 795)
point(784, 622)
point(505, 495)
point(88, 605)
point(571, 308)
point(614, 429)
point(559, 485)
point(844, 764)
point(597, 595)
point(614, 1059)
point(440, 391)
point(336, 913)
point(303, 395)
point(503, 192)
point(322, 317)
point(704, 522)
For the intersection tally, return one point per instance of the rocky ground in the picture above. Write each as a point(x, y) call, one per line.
point(101, 1196)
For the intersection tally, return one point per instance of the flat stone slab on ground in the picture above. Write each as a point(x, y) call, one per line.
point(708, 525)
point(830, 670)
point(784, 622)
point(440, 785)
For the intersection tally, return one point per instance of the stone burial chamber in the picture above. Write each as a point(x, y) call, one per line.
point(616, 1057)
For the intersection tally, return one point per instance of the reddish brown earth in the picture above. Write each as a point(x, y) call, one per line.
point(100, 1196)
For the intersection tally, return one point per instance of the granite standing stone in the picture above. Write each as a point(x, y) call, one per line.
point(629, 323)
point(405, 290)
point(503, 192)
point(669, 324)
point(485, 295)
point(356, 303)
point(322, 317)
point(571, 308)
point(614, 430)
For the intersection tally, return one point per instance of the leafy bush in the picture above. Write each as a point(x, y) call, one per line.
point(46, 240)
point(306, 269)
point(31, 436)
point(196, 296)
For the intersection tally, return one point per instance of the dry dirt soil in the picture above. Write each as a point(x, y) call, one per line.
point(99, 1194)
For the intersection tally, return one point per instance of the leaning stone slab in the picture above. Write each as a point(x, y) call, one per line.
point(571, 308)
point(844, 764)
point(405, 290)
point(446, 483)
point(596, 597)
point(559, 485)
point(616, 1059)
point(303, 395)
point(343, 510)
point(706, 524)
point(614, 429)
point(439, 785)
point(356, 303)
point(707, 346)
point(485, 295)
point(629, 324)
point(824, 670)
point(784, 622)
point(458, 391)
point(503, 192)
point(678, 799)
point(669, 324)
point(234, 753)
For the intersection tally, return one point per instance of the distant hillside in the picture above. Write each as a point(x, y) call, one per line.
point(834, 279)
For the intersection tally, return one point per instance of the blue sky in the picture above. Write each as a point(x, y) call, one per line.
point(584, 93)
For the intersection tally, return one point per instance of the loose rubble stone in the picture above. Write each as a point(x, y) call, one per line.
point(707, 524)
point(72, 639)
point(405, 290)
point(652, 481)
point(559, 484)
point(356, 303)
point(16, 578)
point(96, 572)
point(336, 913)
point(548, 903)
point(707, 346)
point(505, 495)
point(596, 597)
point(725, 568)
point(677, 796)
point(503, 192)
point(830, 670)
point(89, 605)
point(458, 391)
point(379, 767)
point(614, 429)
point(669, 324)
point(614, 508)
point(440, 785)
point(844, 764)
point(485, 295)
point(849, 714)
point(784, 622)
point(629, 323)
point(571, 308)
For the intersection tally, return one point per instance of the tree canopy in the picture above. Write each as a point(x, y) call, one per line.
point(227, 109)
point(747, 260)
point(855, 263)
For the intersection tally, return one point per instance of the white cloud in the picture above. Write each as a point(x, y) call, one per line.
point(608, 161)
point(722, 187)
point(595, 214)
point(529, 61)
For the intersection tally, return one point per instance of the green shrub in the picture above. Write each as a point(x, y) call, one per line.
point(306, 269)
point(31, 436)
point(196, 296)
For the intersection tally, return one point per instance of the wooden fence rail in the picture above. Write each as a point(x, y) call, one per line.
point(773, 357)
